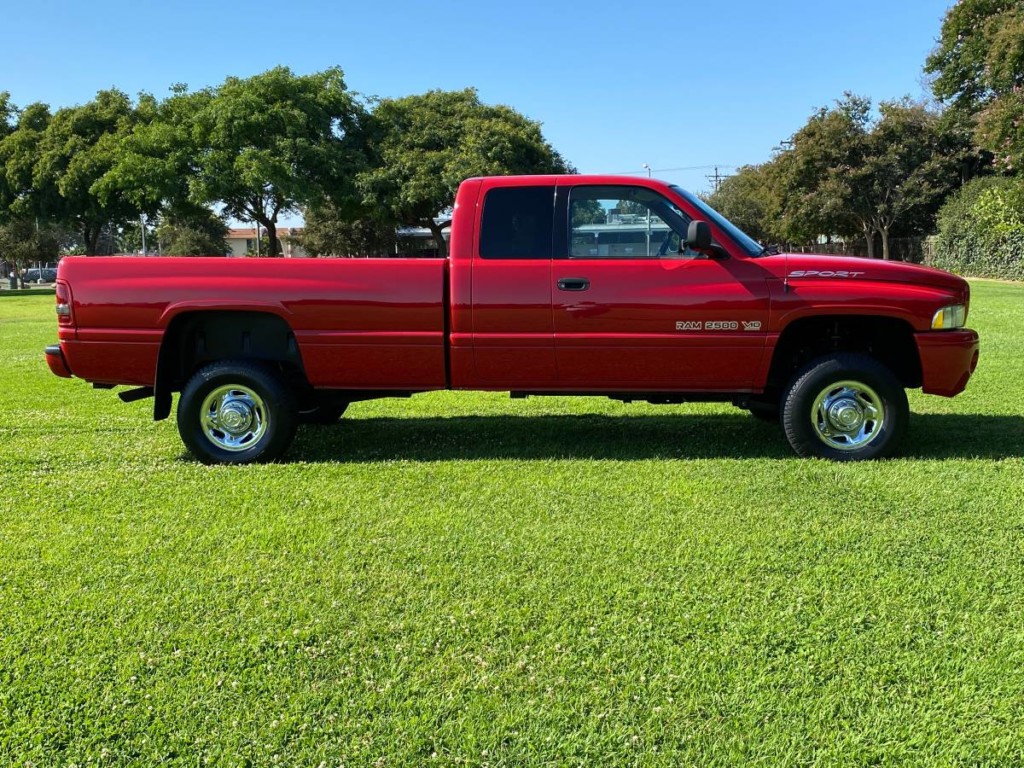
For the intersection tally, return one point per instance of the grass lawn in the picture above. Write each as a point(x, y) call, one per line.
point(465, 579)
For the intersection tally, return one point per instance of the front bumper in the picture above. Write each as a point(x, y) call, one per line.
point(55, 359)
point(948, 358)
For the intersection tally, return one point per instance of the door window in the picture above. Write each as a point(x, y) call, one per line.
point(623, 222)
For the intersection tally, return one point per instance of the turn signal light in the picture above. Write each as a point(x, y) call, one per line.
point(947, 318)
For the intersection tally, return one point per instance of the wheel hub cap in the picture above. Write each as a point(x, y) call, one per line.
point(234, 418)
point(848, 415)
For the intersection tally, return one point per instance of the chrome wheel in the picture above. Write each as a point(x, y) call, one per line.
point(848, 415)
point(234, 418)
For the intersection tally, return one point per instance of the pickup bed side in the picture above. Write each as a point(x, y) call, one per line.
point(348, 323)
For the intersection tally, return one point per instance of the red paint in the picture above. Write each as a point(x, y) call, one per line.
point(948, 359)
point(641, 325)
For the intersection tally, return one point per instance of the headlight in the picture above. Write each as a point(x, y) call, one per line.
point(953, 316)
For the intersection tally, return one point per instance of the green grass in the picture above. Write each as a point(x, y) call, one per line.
point(461, 579)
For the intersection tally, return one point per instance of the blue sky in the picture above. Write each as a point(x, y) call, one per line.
point(676, 85)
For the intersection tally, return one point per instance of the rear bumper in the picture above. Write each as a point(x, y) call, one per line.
point(55, 359)
point(948, 358)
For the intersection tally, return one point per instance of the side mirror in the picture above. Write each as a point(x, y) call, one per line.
point(698, 236)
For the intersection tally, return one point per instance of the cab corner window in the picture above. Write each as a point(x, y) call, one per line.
point(625, 223)
point(517, 223)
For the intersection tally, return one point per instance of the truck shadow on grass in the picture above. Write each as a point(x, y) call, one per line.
point(626, 438)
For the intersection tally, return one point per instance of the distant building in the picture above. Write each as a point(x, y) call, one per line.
point(242, 242)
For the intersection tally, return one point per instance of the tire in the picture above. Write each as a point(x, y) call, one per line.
point(845, 407)
point(323, 414)
point(236, 412)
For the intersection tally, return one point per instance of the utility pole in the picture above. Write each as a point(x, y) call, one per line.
point(717, 178)
point(645, 165)
point(142, 222)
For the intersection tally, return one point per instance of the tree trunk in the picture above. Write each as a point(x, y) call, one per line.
point(92, 240)
point(869, 235)
point(885, 243)
point(273, 246)
point(270, 225)
point(435, 230)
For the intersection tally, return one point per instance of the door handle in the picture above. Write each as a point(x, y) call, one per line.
point(573, 284)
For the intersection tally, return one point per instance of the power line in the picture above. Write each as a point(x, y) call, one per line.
point(670, 170)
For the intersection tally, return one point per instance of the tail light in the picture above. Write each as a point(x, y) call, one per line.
point(64, 305)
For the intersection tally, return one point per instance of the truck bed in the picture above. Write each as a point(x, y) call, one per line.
point(358, 323)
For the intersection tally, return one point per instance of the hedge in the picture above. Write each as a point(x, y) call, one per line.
point(998, 256)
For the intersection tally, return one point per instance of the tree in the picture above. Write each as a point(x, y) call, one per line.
point(748, 200)
point(978, 69)
point(847, 173)
point(332, 232)
point(23, 243)
point(8, 112)
point(983, 211)
point(76, 149)
point(276, 141)
point(812, 198)
point(422, 147)
point(260, 147)
point(195, 232)
point(909, 167)
point(19, 153)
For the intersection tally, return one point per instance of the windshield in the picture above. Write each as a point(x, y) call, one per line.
point(745, 241)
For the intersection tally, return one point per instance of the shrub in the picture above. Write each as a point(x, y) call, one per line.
point(981, 230)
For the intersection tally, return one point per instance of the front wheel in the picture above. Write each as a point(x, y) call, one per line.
point(845, 407)
point(236, 412)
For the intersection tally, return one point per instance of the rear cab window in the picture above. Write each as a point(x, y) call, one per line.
point(518, 223)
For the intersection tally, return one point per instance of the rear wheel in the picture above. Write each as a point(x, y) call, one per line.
point(236, 412)
point(845, 407)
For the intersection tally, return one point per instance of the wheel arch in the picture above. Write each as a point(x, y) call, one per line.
point(196, 336)
point(888, 339)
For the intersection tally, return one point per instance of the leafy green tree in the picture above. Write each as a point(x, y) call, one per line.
point(813, 198)
point(194, 232)
point(20, 197)
point(985, 208)
point(978, 68)
point(908, 169)
point(8, 112)
point(260, 147)
point(981, 229)
point(156, 161)
point(330, 231)
point(75, 150)
point(423, 146)
point(590, 212)
point(847, 173)
point(24, 243)
point(747, 198)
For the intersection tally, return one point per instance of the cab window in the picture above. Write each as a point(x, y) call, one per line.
point(623, 222)
point(517, 223)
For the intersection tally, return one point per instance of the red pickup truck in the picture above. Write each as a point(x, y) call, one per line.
point(555, 285)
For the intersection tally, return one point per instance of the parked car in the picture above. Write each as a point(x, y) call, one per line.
point(36, 276)
point(568, 285)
